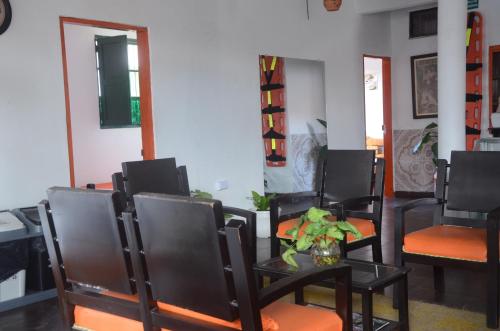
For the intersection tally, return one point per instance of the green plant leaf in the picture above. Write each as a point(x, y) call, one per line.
point(322, 122)
point(316, 215)
point(288, 255)
point(228, 216)
point(348, 227)
point(201, 195)
point(285, 243)
point(431, 126)
point(304, 243)
point(335, 233)
point(294, 232)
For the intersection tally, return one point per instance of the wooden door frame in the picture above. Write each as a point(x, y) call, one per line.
point(147, 131)
point(493, 49)
point(387, 105)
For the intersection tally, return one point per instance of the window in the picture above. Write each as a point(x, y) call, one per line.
point(423, 23)
point(118, 82)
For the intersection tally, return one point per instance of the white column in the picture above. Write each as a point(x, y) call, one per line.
point(452, 22)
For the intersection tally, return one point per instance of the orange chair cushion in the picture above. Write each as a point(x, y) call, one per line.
point(277, 316)
point(366, 228)
point(454, 242)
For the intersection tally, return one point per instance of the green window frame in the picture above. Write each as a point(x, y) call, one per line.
point(134, 90)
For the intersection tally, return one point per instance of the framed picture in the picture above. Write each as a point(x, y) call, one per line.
point(424, 85)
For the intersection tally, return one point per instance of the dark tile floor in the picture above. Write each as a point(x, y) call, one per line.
point(464, 289)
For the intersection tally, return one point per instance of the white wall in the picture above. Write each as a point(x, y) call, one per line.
point(305, 96)
point(403, 49)
point(205, 84)
point(97, 152)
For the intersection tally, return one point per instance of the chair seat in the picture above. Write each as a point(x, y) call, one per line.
point(366, 227)
point(278, 316)
point(454, 242)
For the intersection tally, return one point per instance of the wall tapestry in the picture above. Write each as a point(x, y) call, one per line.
point(474, 89)
point(424, 85)
point(272, 96)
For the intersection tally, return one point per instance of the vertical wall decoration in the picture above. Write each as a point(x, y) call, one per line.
point(272, 95)
point(474, 87)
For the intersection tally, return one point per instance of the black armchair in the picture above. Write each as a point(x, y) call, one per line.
point(226, 297)
point(467, 190)
point(163, 176)
point(352, 186)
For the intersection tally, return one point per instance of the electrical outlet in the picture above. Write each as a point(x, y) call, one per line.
point(221, 185)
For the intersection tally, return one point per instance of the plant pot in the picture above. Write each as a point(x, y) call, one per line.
point(325, 256)
point(263, 224)
point(332, 5)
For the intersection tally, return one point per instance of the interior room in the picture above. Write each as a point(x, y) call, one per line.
point(291, 165)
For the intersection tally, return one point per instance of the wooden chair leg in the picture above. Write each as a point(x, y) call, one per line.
point(299, 296)
point(377, 250)
point(67, 312)
point(438, 279)
point(492, 298)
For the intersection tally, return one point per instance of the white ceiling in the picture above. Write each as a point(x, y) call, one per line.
point(378, 6)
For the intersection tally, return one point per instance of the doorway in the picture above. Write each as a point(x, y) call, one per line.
point(99, 137)
point(378, 112)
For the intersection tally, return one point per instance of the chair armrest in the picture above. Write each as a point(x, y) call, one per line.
point(343, 288)
point(292, 197)
point(251, 225)
point(341, 206)
point(492, 225)
point(417, 203)
point(399, 226)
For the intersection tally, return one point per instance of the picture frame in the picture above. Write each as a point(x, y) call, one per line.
point(424, 79)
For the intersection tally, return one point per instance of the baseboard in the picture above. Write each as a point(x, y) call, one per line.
point(413, 195)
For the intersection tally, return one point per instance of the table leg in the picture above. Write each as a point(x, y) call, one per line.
point(403, 304)
point(299, 297)
point(367, 302)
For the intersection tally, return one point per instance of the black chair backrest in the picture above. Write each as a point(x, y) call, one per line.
point(91, 240)
point(185, 253)
point(348, 174)
point(474, 181)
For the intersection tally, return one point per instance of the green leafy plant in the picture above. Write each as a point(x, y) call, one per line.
point(320, 231)
point(429, 137)
point(201, 195)
point(323, 149)
point(261, 202)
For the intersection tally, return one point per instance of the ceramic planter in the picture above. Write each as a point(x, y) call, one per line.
point(263, 224)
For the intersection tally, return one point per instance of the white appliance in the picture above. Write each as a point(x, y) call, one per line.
point(13, 287)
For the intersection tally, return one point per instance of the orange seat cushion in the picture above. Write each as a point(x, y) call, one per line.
point(454, 242)
point(277, 316)
point(366, 227)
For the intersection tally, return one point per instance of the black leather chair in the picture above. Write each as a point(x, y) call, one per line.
point(469, 185)
point(191, 260)
point(157, 176)
point(88, 251)
point(163, 176)
point(351, 184)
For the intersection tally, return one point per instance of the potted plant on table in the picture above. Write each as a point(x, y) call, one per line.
point(318, 232)
point(261, 204)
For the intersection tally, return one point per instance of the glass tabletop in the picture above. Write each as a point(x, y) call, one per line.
point(365, 275)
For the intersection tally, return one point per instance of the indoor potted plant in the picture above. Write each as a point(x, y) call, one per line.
point(317, 232)
point(261, 204)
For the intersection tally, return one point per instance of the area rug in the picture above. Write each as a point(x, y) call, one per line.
point(423, 316)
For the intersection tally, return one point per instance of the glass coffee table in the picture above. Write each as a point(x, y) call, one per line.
point(367, 277)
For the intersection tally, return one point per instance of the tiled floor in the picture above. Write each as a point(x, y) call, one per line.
point(463, 289)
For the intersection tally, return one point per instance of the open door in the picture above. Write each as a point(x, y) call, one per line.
point(114, 63)
point(378, 113)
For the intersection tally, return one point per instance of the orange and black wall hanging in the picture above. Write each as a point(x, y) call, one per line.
point(272, 95)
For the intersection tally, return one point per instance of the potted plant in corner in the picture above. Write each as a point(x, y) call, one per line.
point(321, 234)
point(261, 204)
